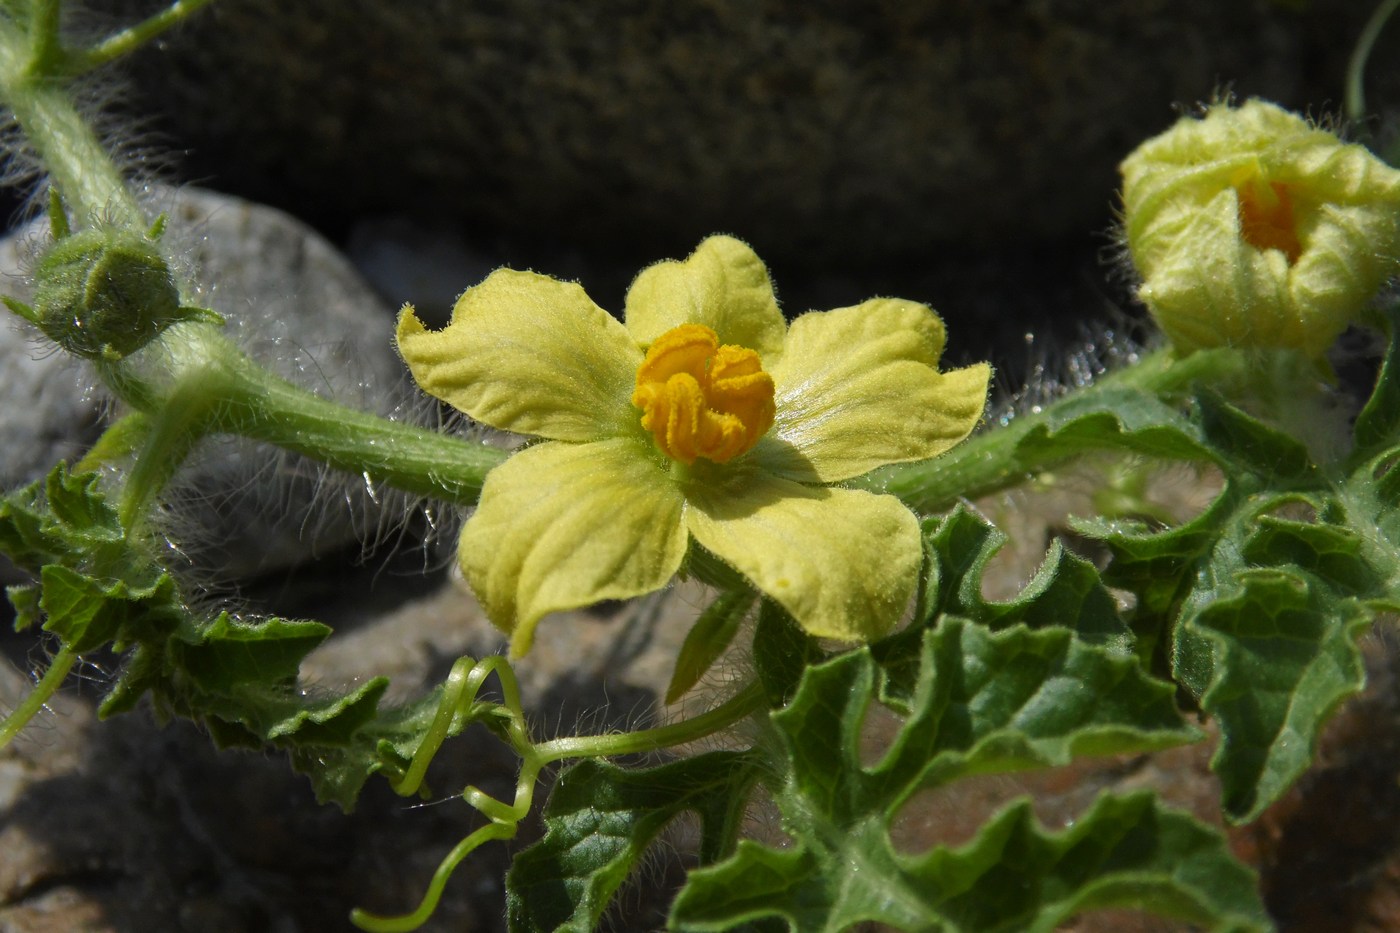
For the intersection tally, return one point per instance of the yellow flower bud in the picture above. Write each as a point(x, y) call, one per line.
point(1252, 227)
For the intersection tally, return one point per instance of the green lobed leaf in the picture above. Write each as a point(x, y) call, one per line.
point(28, 533)
point(333, 738)
point(1369, 504)
point(87, 613)
point(1242, 444)
point(225, 653)
point(1122, 417)
point(984, 702)
point(1269, 638)
point(599, 821)
point(97, 588)
point(1285, 656)
point(1014, 877)
point(1066, 591)
point(1263, 596)
point(79, 507)
point(1158, 565)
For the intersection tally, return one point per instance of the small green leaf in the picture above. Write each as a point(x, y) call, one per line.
point(1378, 423)
point(708, 639)
point(1121, 418)
point(1242, 443)
point(227, 653)
point(599, 821)
point(27, 534)
point(1282, 656)
point(781, 652)
point(79, 506)
point(88, 613)
point(1158, 565)
point(25, 600)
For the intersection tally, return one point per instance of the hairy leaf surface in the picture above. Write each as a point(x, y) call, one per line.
point(983, 702)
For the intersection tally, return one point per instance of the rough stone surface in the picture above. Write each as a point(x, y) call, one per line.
point(816, 129)
point(50, 414)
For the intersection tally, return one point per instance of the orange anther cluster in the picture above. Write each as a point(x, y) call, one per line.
point(1266, 217)
point(700, 399)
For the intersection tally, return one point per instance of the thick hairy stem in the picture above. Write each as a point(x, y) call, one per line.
point(63, 140)
point(992, 460)
point(194, 368)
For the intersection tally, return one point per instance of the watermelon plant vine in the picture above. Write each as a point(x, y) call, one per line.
point(814, 474)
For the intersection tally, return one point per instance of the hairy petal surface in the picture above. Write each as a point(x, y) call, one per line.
point(529, 354)
point(859, 387)
point(722, 285)
point(842, 562)
point(565, 525)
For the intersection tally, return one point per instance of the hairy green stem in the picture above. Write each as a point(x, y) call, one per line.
point(128, 40)
point(195, 375)
point(33, 68)
point(66, 144)
point(740, 706)
point(43, 691)
point(45, 49)
point(376, 923)
point(992, 460)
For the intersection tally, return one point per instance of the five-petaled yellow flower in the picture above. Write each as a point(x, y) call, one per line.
point(705, 419)
point(1251, 227)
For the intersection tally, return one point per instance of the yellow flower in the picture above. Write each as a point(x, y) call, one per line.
point(706, 419)
point(1251, 227)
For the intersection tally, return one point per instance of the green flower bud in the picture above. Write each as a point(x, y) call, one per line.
point(1251, 227)
point(106, 292)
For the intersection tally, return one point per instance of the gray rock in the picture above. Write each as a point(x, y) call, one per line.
point(816, 130)
point(51, 412)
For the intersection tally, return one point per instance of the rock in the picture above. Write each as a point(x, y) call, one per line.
point(60, 416)
point(817, 130)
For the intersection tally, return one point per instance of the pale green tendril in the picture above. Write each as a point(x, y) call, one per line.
point(1361, 54)
point(458, 707)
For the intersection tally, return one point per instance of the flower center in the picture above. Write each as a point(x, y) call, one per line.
point(1266, 217)
point(700, 399)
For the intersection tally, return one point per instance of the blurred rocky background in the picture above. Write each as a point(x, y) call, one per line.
point(957, 152)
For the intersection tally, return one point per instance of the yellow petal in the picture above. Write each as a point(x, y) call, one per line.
point(1217, 290)
point(529, 354)
point(722, 285)
point(561, 526)
point(859, 387)
point(843, 562)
